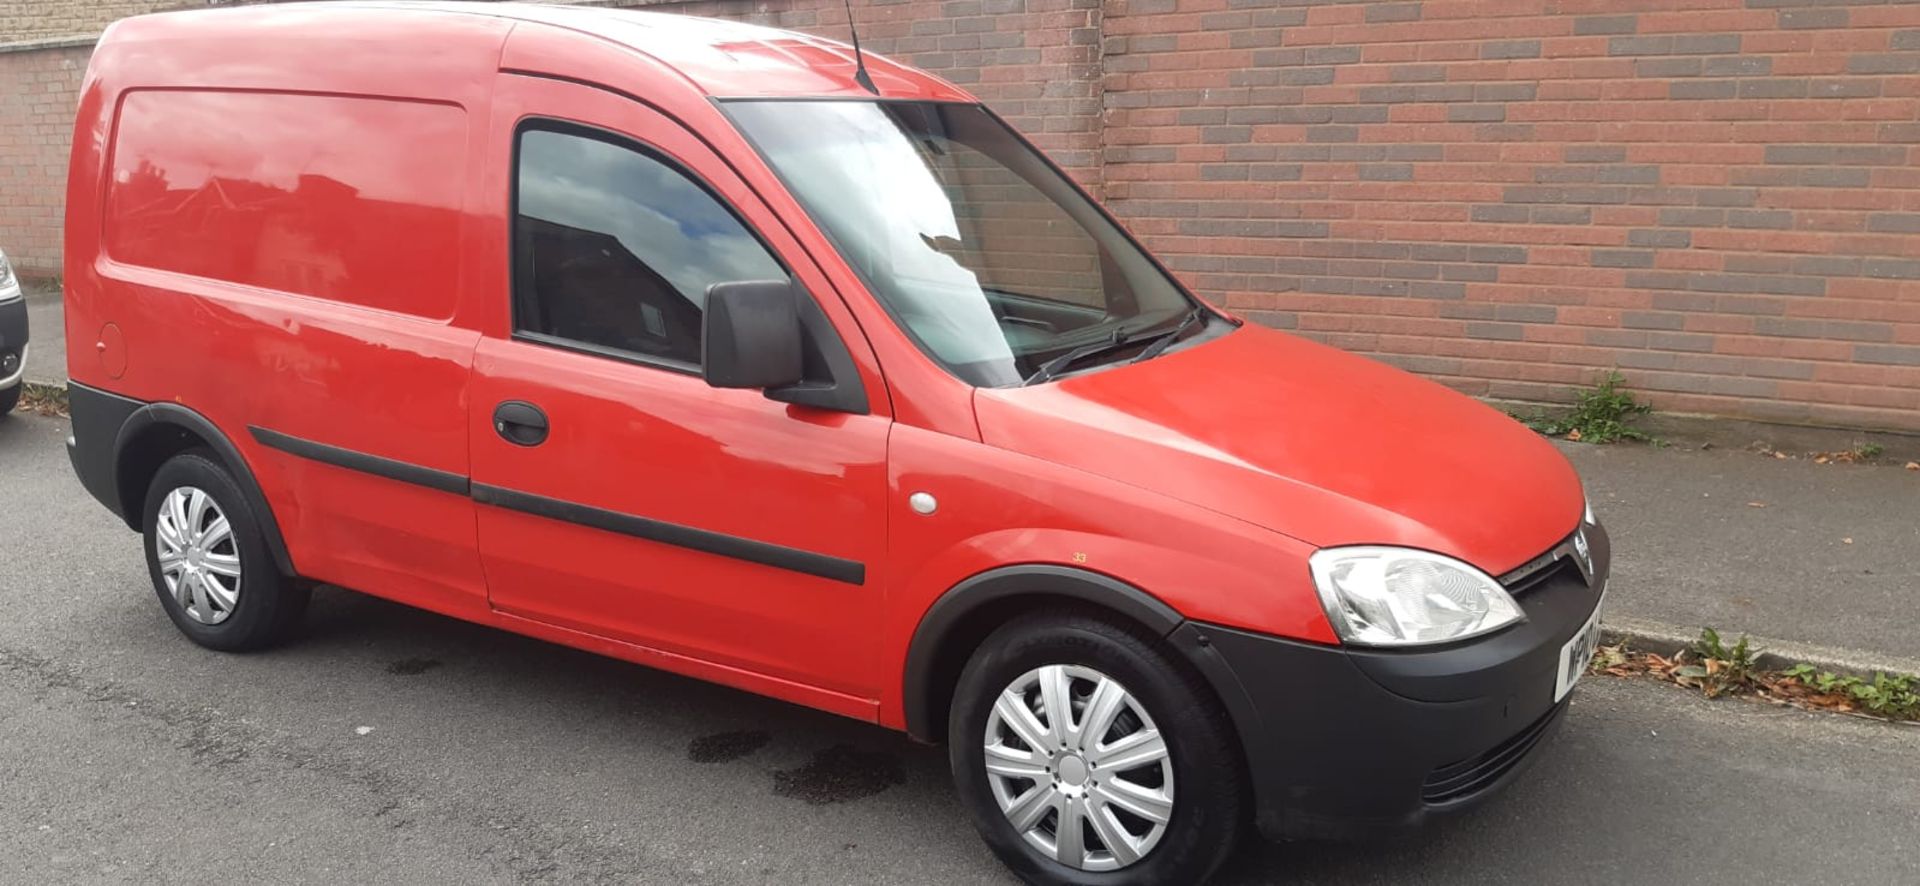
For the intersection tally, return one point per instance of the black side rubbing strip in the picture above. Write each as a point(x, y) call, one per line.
point(778, 556)
point(765, 553)
point(362, 462)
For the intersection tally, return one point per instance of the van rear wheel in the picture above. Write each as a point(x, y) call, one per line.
point(209, 562)
point(9, 398)
point(1086, 754)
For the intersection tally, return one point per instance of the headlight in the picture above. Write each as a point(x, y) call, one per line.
point(6, 272)
point(1381, 596)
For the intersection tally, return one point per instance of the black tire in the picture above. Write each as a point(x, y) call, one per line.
point(1210, 797)
point(268, 604)
point(10, 397)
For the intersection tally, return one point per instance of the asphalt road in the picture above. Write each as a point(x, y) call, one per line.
point(397, 746)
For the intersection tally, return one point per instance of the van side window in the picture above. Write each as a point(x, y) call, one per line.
point(614, 248)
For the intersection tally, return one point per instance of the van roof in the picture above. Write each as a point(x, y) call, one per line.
point(723, 58)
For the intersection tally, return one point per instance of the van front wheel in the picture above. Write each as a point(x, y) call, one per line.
point(209, 561)
point(1086, 755)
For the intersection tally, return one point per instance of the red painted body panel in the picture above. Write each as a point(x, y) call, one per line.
point(241, 354)
point(999, 507)
point(661, 443)
point(1306, 440)
point(1205, 477)
point(241, 201)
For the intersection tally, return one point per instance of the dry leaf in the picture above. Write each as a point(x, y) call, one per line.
point(1756, 504)
point(1821, 460)
point(1574, 435)
point(1846, 541)
point(1913, 466)
point(1780, 455)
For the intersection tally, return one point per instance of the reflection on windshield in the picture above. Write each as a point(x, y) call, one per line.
point(875, 165)
point(991, 261)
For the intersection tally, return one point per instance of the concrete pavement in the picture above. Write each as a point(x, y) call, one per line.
point(46, 336)
point(1789, 549)
point(129, 755)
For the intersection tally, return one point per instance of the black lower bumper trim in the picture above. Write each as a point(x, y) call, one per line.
point(1344, 742)
point(1465, 781)
point(13, 336)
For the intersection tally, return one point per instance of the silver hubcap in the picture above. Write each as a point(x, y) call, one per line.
point(198, 558)
point(1079, 768)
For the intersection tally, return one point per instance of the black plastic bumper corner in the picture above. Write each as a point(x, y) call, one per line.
point(1343, 742)
point(13, 336)
point(98, 418)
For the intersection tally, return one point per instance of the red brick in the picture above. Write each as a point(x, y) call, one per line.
point(1698, 21)
point(1375, 155)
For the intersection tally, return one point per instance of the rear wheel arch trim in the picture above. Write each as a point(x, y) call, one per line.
point(924, 654)
point(158, 414)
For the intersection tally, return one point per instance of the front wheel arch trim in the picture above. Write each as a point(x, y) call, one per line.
point(926, 654)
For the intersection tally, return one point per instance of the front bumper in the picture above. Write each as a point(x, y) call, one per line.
point(13, 341)
point(1343, 741)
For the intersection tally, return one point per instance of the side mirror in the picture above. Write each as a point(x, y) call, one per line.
point(750, 336)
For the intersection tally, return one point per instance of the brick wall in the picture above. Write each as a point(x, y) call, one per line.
point(1718, 197)
point(23, 20)
point(38, 91)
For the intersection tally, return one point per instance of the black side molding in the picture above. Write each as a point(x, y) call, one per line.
point(405, 472)
point(764, 553)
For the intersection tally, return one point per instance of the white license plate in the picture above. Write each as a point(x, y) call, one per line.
point(1576, 654)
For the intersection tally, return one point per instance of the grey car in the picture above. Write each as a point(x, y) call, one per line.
point(13, 337)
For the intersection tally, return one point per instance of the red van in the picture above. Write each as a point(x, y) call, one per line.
point(721, 350)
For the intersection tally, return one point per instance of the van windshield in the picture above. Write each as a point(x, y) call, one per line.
point(985, 254)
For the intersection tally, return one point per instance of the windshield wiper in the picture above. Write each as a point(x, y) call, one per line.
point(1119, 339)
point(1166, 340)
